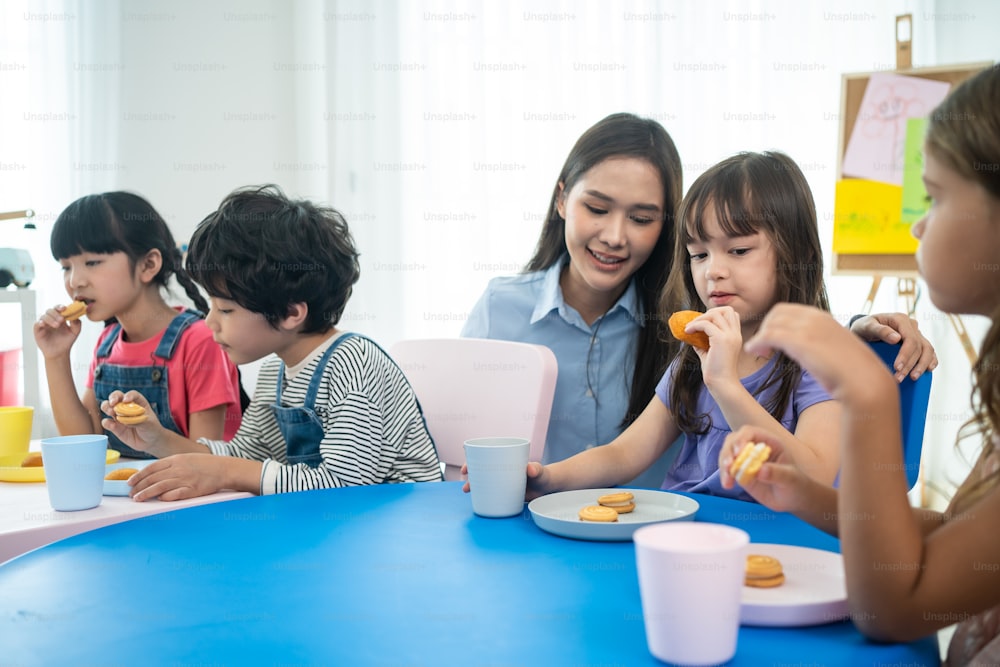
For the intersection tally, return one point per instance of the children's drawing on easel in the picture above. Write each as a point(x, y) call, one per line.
point(875, 150)
point(915, 203)
point(866, 218)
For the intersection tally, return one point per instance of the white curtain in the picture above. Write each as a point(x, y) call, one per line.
point(437, 128)
point(61, 97)
point(495, 94)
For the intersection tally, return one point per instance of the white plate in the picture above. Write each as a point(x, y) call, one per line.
point(814, 591)
point(120, 487)
point(558, 513)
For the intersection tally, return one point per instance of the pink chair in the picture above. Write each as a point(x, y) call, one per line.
point(475, 387)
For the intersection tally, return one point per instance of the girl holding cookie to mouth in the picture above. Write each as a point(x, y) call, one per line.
point(117, 256)
point(590, 292)
point(746, 239)
point(912, 571)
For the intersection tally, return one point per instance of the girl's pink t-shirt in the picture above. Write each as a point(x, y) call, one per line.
point(201, 376)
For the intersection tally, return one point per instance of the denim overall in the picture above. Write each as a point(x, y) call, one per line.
point(151, 381)
point(301, 428)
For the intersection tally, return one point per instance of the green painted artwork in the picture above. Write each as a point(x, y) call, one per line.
point(915, 202)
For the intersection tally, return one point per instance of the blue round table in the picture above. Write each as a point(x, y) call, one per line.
point(378, 575)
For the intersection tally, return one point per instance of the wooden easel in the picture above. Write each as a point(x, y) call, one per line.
point(903, 267)
point(905, 287)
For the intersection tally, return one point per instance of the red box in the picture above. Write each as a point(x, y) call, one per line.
point(10, 377)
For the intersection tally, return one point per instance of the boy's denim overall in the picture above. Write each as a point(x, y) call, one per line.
point(301, 427)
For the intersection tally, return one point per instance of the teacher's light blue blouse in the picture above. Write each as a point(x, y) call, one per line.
point(529, 308)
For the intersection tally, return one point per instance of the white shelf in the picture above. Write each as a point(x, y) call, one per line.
point(29, 351)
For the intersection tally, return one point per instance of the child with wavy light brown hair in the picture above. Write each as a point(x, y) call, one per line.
point(911, 572)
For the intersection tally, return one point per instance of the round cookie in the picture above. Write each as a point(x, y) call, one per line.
point(763, 572)
point(679, 320)
point(32, 460)
point(121, 473)
point(598, 513)
point(130, 414)
point(74, 311)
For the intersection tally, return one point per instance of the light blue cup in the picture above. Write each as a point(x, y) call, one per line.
point(74, 470)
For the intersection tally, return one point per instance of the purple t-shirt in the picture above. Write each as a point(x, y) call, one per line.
point(696, 468)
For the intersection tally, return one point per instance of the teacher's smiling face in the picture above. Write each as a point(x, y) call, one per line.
point(614, 216)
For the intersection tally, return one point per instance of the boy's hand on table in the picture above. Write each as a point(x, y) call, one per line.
point(180, 476)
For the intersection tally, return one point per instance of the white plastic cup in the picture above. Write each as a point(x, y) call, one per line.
point(497, 475)
point(74, 470)
point(691, 580)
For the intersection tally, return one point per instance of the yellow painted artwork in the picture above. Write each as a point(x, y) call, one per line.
point(867, 220)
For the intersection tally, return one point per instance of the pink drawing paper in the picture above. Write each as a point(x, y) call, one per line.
point(876, 149)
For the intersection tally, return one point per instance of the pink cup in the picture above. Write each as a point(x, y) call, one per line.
point(691, 581)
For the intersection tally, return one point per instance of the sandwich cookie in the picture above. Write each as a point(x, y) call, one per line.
point(763, 572)
point(32, 460)
point(121, 473)
point(74, 311)
point(748, 462)
point(130, 414)
point(621, 502)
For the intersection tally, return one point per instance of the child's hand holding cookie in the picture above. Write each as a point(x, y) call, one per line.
point(778, 483)
point(130, 417)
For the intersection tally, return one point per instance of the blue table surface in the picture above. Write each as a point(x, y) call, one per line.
point(379, 575)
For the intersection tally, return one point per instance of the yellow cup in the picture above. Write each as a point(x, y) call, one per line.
point(15, 430)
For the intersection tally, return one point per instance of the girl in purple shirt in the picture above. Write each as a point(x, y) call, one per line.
point(747, 239)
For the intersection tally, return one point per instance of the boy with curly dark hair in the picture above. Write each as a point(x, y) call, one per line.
point(332, 409)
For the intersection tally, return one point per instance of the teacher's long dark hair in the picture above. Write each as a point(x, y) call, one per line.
point(626, 135)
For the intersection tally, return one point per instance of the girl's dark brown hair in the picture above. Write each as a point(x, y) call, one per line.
point(616, 136)
point(748, 193)
point(964, 133)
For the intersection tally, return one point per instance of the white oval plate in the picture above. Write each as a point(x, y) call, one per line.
point(558, 513)
point(120, 487)
point(814, 591)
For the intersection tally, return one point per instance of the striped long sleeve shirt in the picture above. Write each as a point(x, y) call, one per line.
point(373, 431)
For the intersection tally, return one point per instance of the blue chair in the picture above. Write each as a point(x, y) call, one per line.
point(913, 398)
